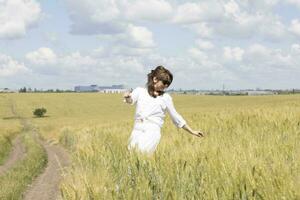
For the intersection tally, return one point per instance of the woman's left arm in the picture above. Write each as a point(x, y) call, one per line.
point(191, 131)
point(178, 119)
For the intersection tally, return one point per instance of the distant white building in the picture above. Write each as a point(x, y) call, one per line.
point(90, 88)
point(6, 90)
point(102, 89)
point(260, 92)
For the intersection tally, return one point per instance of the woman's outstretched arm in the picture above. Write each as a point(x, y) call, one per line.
point(131, 96)
point(193, 132)
point(178, 119)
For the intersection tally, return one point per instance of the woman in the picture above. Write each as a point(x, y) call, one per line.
point(151, 105)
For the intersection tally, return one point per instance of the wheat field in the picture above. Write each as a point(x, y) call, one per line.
point(250, 150)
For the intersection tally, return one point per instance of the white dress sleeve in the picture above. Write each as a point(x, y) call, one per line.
point(135, 95)
point(175, 116)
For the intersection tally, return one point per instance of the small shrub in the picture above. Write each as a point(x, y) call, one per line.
point(39, 112)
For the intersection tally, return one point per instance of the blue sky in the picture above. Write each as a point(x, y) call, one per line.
point(205, 44)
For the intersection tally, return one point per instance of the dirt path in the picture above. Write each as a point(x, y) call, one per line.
point(46, 186)
point(17, 153)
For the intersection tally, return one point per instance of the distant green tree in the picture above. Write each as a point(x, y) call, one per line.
point(39, 112)
point(23, 89)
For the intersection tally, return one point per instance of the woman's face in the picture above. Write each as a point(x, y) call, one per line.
point(158, 85)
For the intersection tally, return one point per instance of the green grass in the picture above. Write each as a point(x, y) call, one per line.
point(9, 128)
point(236, 161)
point(5, 147)
point(16, 180)
point(251, 149)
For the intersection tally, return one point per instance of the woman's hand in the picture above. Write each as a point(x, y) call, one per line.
point(198, 133)
point(127, 97)
point(127, 94)
point(191, 131)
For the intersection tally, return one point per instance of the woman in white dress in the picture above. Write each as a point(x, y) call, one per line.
point(152, 103)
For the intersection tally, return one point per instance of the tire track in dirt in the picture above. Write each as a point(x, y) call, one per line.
point(46, 186)
point(17, 153)
point(18, 150)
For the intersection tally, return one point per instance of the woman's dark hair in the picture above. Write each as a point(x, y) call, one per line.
point(162, 74)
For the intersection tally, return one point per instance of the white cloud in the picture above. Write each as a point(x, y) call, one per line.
point(233, 19)
point(136, 40)
point(203, 44)
point(295, 27)
point(42, 56)
point(98, 52)
point(102, 70)
point(45, 61)
point(232, 8)
point(16, 16)
point(113, 17)
point(94, 17)
point(198, 54)
point(259, 5)
point(235, 53)
point(242, 42)
point(203, 61)
point(263, 59)
point(258, 49)
point(120, 50)
point(95, 11)
point(251, 66)
point(133, 37)
point(151, 10)
point(202, 29)
point(10, 67)
point(140, 36)
point(295, 48)
point(98, 63)
point(189, 13)
point(275, 30)
point(246, 24)
point(77, 62)
point(128, 65)
point(51, 37)
point(258, 53)
point(114, 22)
point(294, 2)
point(255, 65)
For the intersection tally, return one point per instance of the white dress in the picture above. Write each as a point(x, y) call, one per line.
point(149, 118)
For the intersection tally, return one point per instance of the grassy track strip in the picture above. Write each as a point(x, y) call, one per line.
point(5, 148)
point(17, 154)
point(16, 180)
point(7, 136)
point(46, 186)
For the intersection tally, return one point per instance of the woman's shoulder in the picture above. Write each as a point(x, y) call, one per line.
point(140, 88)
point(167, 96)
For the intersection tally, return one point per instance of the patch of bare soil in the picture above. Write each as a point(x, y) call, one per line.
point(17, 153)
point(46, 186)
